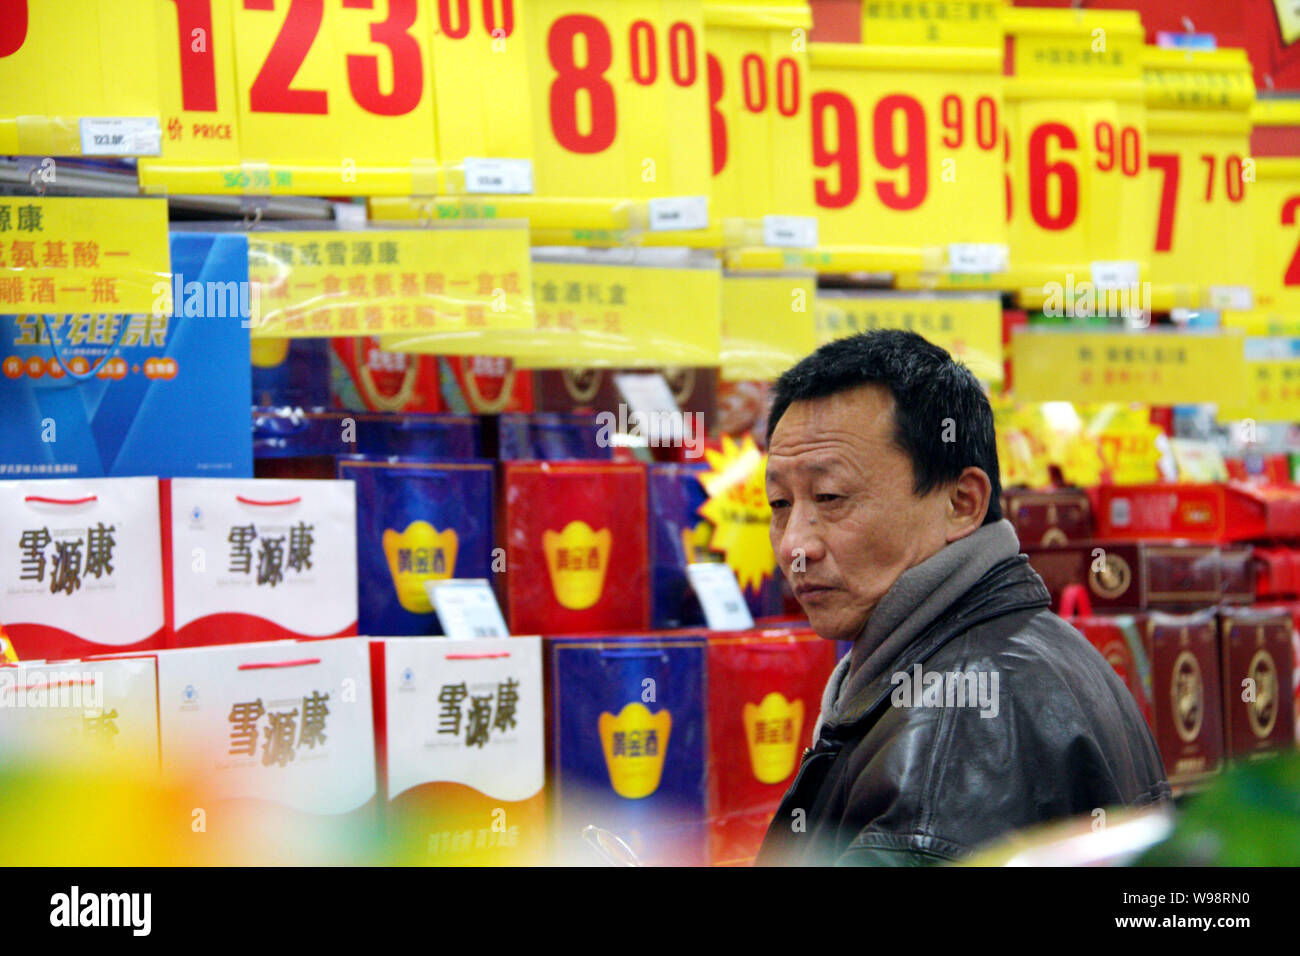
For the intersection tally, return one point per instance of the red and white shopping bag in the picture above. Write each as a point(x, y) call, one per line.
point(259, 559)
point(283, 724)
point(460, 736)
point(80, 566)
point(82, 712)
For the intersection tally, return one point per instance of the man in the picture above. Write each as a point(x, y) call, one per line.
point(966, 708)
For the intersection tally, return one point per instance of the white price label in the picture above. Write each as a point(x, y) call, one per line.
point(1237, 298)
point(679, 212)
point(1115, 275)
point(467, 608)
point(508, 176)
point(719, 593)
point(791, 232)
point(976, 258)
point(121, 136)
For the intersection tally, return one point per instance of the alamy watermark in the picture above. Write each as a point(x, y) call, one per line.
point(656, 429)
point(208, 300)
point(921, 688)
point(1086, 299)
point(71, 690)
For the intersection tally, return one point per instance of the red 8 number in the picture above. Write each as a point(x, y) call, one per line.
point(571, 79)
point(845, 154)
point(717, 122)
point(408, 65)
point(913, 157)
point(1040, 170)
point(13, 26)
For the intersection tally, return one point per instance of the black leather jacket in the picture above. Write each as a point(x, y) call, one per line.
point(894, 784)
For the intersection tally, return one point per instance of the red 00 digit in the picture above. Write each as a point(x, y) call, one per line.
point(787, 82)
point(753, 77)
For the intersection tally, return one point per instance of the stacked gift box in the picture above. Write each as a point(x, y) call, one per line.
point(1190, 591)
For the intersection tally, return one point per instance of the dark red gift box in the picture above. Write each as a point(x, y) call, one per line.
point(1257, 672)
point(1184, 652)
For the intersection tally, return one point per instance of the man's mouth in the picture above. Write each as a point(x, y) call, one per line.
point(811, 590)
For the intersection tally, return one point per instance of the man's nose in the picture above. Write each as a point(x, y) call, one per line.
point(801, 538)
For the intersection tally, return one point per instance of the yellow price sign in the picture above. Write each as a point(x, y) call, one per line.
point(923, 22)
point(1198, 112)
point(82, 255)
point(1077, 144)
point(1275, 210)
point(453, 282)
point(1272, 392)
point(64, 62)
point(1150, 367)
point(907, 149)
point(767, 324)
point(597, 315)
point(968, 326)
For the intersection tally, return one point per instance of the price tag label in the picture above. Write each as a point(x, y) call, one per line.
point(1115, 275)
point(514, 176)
point(794, 232)
point(121, 136)
point(466, 608)
point(1236, 297)
point(648, 395)
point(977, 258)
point(719, 593)
point(679, 212)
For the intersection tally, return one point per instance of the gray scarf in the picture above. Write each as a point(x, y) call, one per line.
point(915, 600)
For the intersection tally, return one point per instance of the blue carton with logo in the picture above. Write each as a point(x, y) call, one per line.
point(97, 396)
point(417, 521)
point(629, 744)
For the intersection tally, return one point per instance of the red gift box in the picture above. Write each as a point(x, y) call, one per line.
point(1217, 512)
point(1119, 639)
point(486, 384)
point(1188, 704)
point(576, 547)
point(365, 377)
point(765, 689)
point(1048, 518)
point(1257, 679)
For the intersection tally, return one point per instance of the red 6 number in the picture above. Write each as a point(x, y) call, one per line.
point(1066, 175)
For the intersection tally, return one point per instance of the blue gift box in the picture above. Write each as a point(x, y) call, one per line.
point(628, 738)
point(416, 521)
point(550, 436)
point(179, 406)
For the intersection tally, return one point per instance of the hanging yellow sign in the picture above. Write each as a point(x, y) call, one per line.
point(64, 255)
point(968, 326)
point(767, 324)
point(1275, 210)
point(373, 282)
point(1272, 392)
point(1149, 367)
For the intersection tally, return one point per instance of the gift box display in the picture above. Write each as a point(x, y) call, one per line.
point(1188, 704)
point(551, 437)
point(81, 568)
point(1046, 518)
point(576, 551)
point(1118, 638)
point(460, 741)
point(484, 385)
point(258, 560)
point(364, 377)
point(628, 744)
point(417, 522)
point(1257, 680)
point(417, 436)
point(765, 691)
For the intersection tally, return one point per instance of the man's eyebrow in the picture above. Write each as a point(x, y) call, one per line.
point(816, 467)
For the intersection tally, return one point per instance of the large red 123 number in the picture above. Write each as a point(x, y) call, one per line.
point(270, 92)
point(13, 26)
point(408, 65)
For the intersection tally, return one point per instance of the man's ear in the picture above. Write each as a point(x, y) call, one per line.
point(968, 503)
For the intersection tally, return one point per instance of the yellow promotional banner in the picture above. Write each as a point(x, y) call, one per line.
point(65, 255)
point(923, 22)
point(1076, 174)
point(768, 324)
point(1272, 392)
point(1151, 367)
point(1201, 235)
point(969, 325)
point(907, 155)
point(78, 73)
point(758, 131)
point(598, 315)
point(453, 282)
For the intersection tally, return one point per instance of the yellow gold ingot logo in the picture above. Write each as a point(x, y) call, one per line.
point(269, 352)
point(695, 543)
point(772, 733)
point(420, 553)
point(635, 743)
point(576, 559)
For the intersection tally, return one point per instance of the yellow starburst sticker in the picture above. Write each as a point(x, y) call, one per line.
point(738, 510)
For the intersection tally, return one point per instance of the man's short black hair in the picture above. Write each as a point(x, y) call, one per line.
point(928, 386)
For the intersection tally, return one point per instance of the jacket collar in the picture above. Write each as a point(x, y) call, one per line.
point(1008, 587)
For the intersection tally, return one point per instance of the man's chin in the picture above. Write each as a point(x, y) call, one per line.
point(832, 627)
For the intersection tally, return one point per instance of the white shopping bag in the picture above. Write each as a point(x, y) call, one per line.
point(461, 740)
point(260, 559)
point(82, 712)
point(284, 722)
point(80, 566)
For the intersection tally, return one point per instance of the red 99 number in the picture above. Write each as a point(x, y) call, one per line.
point(272, 92)
point(589, 79)
point(13, 26)
point(754, 93)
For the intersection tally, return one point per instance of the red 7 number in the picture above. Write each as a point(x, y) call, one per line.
point(270, 91)
point(1288, 219)
point(13, 26)
point(1167, 163)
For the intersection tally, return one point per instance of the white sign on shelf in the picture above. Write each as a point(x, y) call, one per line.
point(679, 212)
point(719, 593)
point(121, 136)
point(790, 232)
point(505, 176)
point(467, 608)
